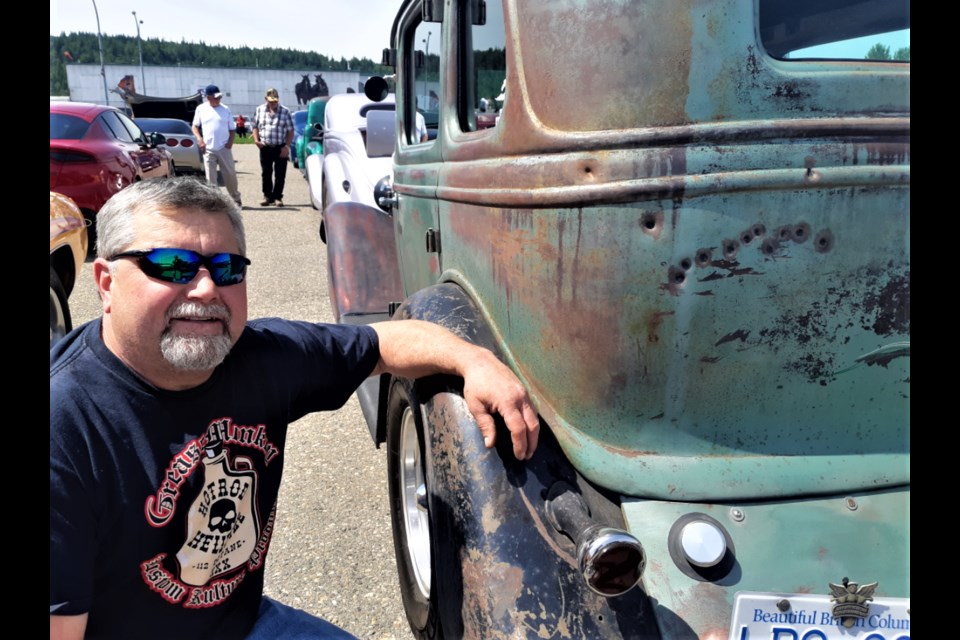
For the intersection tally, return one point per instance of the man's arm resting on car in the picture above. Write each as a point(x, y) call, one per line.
point(415, 348)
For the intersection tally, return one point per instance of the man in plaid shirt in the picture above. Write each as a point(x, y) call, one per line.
point(273, 133)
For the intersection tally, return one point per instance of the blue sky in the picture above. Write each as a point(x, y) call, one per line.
point(858, 47)
point(334, 28)
point(341, 28)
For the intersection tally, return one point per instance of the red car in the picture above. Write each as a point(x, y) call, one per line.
point(96, 150)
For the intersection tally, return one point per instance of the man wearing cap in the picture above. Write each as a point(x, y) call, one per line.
point(215, 129)
point(273, 133)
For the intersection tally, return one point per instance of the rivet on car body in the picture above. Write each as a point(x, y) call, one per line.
point(736, 515)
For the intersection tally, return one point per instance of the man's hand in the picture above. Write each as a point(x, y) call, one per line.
point(414, 349)
point(489, 388)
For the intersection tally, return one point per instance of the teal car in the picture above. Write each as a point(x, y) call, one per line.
point(308, 139)
point(299, 123)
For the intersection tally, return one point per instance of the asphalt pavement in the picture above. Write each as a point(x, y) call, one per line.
point(332, 549)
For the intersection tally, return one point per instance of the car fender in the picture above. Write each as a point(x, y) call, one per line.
point(334, 175)
point(314, 172)
point(362, 261)
point(512, 570)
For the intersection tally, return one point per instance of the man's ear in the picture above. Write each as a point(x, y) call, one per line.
point(104, 279)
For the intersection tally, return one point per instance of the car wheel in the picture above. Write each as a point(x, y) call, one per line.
point(413, 538)
point(60, 323)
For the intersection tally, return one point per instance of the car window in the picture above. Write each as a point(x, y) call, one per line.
point(64, 127)
point(485, 67)
point(838, 30)
point(112, 124)
point(164, 126)
point(133, 128)
point(423, 97)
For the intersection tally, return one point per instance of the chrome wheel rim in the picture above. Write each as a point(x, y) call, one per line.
point(413, 496)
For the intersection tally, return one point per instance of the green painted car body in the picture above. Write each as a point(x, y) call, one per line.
point(689, 236)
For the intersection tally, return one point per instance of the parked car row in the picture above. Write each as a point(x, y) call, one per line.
point(308, 141)
point(96, 150)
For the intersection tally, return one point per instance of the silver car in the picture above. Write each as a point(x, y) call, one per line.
point(181, 143)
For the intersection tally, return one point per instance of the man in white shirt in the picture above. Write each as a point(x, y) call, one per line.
point(215, 129)
point(422, 134)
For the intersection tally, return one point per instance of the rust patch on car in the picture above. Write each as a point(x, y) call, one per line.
point(491, 590)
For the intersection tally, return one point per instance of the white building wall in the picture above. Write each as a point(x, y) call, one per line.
point(243, 88)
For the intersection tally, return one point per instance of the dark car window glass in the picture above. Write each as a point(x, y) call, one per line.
point(485, 67)
point(426, 81)
point(113, 125)
point(135, 131)
point(164, 126)
point(836, 29)
point(64, 127)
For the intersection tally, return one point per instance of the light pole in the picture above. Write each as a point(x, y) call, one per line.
point(426, 64)
point(103, 73)
point(143, 78)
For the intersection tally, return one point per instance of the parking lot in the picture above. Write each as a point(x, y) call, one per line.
point(332, 549)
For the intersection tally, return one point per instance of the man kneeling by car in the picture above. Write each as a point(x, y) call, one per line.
point(169, 415)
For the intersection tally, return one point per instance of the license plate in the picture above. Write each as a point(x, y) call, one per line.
point(757, 616)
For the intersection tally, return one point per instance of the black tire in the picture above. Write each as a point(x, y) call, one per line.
point(60, 323)
point(91, 221)
point(406, 464)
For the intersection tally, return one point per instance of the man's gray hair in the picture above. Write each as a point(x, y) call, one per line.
point(115, 219)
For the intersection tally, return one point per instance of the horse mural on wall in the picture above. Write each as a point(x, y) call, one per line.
point(306, 90)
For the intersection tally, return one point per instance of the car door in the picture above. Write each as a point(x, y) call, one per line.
point(150, 162)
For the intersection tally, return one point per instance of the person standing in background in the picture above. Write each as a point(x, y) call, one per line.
point(273, 133)
point(215, 129)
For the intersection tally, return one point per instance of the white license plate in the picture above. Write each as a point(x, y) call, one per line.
point(756, 616)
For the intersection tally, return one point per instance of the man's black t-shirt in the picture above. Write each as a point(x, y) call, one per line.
point(162, 503)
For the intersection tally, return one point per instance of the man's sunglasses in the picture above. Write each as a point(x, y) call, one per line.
point(180, 266)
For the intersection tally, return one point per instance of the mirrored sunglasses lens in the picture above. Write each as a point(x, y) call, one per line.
point(227, 268)
point(172, 265)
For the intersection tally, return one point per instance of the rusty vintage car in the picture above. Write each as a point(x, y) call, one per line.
point(68, 251)
point(688, 233)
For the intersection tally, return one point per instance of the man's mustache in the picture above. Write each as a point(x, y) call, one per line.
point(194, 310)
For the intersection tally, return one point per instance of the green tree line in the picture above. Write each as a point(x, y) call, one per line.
point(82, 48)
point(882, 52)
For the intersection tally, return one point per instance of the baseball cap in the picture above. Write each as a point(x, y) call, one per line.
point(212, 91)
point(272, 95)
